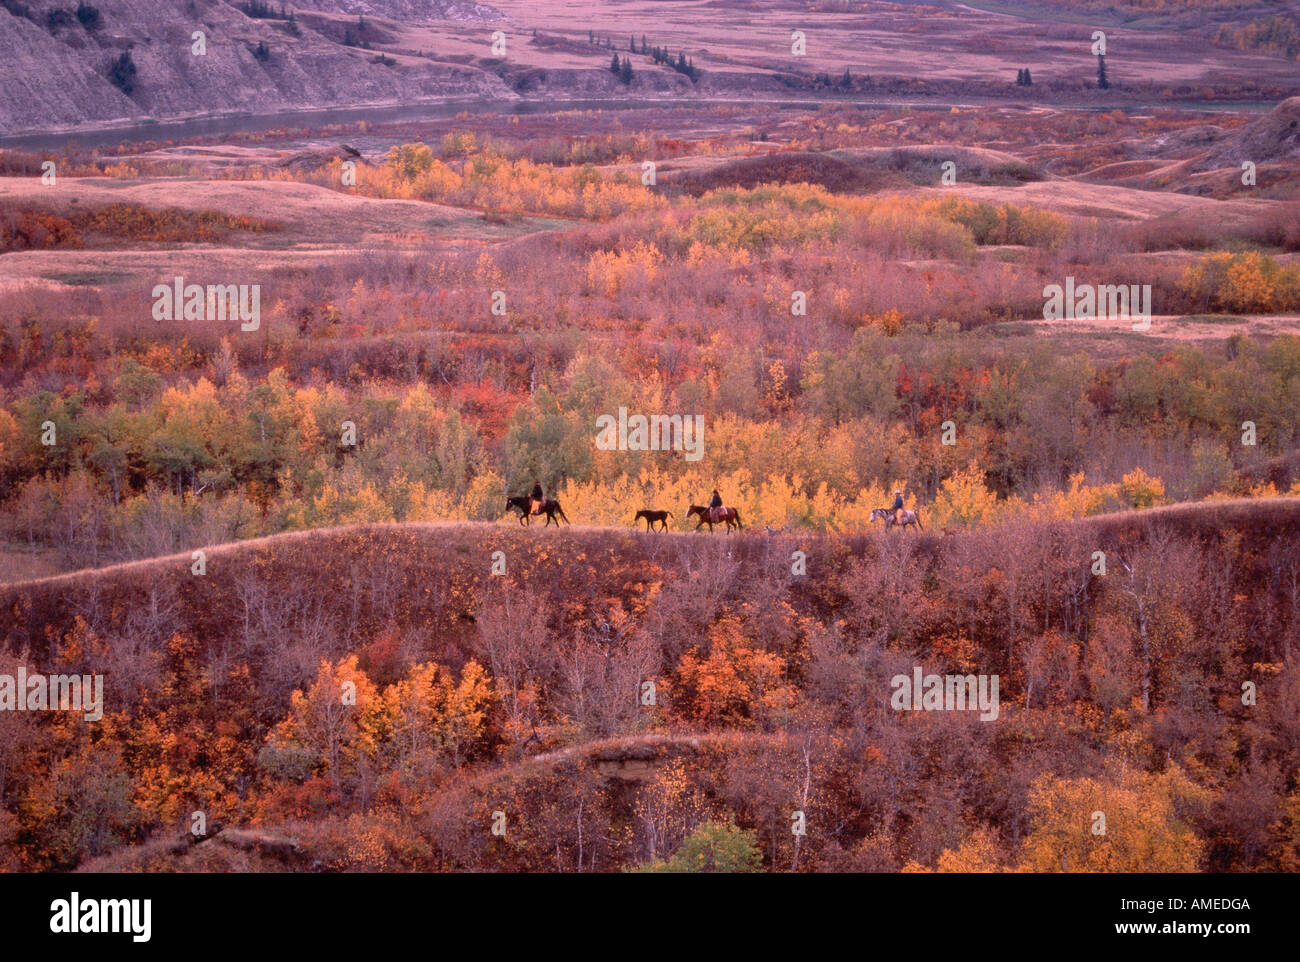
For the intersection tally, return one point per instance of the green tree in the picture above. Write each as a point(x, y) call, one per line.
point(410, 160)
point(714, 847)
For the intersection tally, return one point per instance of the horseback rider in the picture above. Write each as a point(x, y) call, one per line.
point(536, 498)
point(715, 506)
point(898, 507)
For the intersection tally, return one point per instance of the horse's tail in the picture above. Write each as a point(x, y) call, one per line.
point(562, 514)
point(671, 515)
point(737, 513)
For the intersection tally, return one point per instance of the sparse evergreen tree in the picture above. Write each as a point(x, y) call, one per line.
point(88, 15)
point(1102, 82)
point(122, 73)
point(625, 73)
point(1029, 81)
point(614, 66)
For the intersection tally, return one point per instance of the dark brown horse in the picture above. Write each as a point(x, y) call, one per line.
point(652, 518)
point(712, 516)
point(549, 507)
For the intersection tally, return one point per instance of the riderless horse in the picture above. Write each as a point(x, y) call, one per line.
point(652, 518)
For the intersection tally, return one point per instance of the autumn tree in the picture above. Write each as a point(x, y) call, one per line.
point(736, 682)
point(1137, 823)
point(432, 716)
point(333, 727)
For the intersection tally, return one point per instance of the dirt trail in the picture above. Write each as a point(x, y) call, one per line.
point(303, 210)
point(1227, 507)
point(1176, 327)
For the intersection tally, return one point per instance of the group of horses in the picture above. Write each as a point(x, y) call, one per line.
point(555, 513)
point(706, 515)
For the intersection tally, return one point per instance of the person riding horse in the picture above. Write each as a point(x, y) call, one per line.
point(898, 507)
point(715, 506)
point(537, 497)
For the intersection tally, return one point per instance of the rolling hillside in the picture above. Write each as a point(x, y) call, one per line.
point(582, 616)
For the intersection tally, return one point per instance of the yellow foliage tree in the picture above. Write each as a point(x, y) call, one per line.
point(1141, 490)
point(1136, 824)
point(429, 714)
point(338, 719)
point(963, 500)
